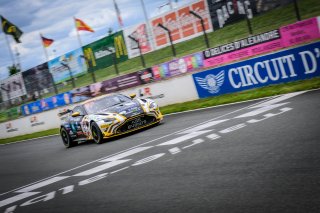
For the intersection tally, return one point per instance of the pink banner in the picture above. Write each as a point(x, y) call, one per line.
point(299, 32)
point(244, 53)
point(293, 34)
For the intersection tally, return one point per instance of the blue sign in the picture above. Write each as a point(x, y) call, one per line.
point(47, 104)
point(281, 67)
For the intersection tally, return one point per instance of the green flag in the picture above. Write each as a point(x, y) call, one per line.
point(11, 29)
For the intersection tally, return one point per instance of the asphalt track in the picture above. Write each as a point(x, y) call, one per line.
point(260, 156)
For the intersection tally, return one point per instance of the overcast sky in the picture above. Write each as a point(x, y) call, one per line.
point(54, 19)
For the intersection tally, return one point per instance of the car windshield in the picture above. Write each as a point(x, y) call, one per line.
point(102, 104)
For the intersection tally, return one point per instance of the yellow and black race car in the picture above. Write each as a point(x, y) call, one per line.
point(107, 117)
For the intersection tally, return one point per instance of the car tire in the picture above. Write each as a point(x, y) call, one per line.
point(66, 139)
point(96, 133)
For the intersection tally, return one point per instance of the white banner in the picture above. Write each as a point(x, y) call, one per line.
point(167, 92)
point(181, 23)
point(138, 32)
point(12, 87)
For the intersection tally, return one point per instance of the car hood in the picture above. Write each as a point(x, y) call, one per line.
point(127, 109)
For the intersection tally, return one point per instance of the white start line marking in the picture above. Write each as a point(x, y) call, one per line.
point(117, 159)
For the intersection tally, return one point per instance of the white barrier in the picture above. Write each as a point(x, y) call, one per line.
point(171, 91)
point(32, 123)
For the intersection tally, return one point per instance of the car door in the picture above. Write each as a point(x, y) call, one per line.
point(75, 122)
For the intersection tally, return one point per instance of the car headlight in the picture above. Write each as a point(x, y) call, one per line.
point(153, 105)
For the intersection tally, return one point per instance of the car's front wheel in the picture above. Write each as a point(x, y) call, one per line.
point(96, 133)
point(66, 139)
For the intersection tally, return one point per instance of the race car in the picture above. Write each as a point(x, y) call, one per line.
point(108, 117)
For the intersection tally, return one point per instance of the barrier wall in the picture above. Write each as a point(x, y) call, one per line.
point(167, 92)
point(164, 92)
point(32, 123)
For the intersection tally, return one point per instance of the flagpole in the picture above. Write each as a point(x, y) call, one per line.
point(47, 57)
point(80, 43)
point(8, 43)
point(149, 29)
point(9, 47)
point(44, 48)
point(117, 13)
point(78, 35)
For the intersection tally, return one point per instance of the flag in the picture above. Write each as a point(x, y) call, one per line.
point(46, 41)
point(118, 13)
point(11, 29)
point(82, 26)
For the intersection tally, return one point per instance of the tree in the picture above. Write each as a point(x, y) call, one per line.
point(13, 69)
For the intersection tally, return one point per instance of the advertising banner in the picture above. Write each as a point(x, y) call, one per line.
point(300, 32)
point(59, 100)
point(287, 36)
point(146, 76)
point(38, 79)
point(247, 47)
point(80, 94)
point(161, 71)
point(61, 67)
point(122, 82)
point(111, 85)
point(225, 12)
point(12, 87)
point(177, 67)
point(138, 32)
point(181, 23)
point(285, 66)
point(100, 54)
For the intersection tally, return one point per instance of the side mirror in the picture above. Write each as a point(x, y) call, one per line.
point(75, 114)
point(132, 96)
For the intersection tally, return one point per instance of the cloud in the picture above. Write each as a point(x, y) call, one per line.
point(54, 19)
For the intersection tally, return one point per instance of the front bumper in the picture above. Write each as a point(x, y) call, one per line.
point(133, 124)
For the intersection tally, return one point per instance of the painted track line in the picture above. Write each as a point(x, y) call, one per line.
point(156, 139)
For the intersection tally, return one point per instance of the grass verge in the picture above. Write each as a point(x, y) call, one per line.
point(207, 102)
point(30, 136)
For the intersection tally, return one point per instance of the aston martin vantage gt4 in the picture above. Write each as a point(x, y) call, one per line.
point(107, 117)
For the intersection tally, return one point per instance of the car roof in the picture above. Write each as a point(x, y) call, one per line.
point(100, 97)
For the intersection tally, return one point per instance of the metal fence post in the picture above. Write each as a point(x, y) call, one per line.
point(141, 56)
point(247, 18)
point(170, 38)
point(296, 8)
point(206, 40)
